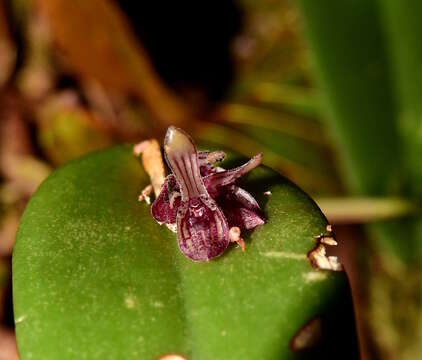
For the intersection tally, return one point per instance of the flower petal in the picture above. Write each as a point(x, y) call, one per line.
point(240, 208)
point(182, 158)
point(202, 229)
point(207, 160)
point(164, 208)
point(227, 177)
point(244, 198)
point(243, 218)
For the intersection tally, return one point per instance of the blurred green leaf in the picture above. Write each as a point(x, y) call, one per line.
point(352, 70)
point(363, 210)
point(95, 276)
point(378, 137)
point(68, 130)
point(297, 100)
point(270, 119)
point(402, 24)
point(249, 140)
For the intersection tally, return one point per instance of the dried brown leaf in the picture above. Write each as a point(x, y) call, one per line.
point(7, 48)
point(8, 349)
point(98, 42)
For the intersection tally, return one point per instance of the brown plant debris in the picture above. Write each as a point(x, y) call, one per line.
point(328, 238)
point(328, 241)
point(234, 235)
point(91, 51)
point(145, 194)
point(319, 259)
point(152, 162)
point(7, 47)
point(318, 256)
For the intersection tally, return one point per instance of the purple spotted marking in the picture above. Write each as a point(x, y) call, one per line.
point(201, 201)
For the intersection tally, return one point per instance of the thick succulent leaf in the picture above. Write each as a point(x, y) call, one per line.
point(95, 277)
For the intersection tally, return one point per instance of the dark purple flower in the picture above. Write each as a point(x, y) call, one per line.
point(200, 201)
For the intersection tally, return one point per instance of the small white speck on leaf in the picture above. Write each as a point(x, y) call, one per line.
point(158, 304)
point(284, 255)
point(20, 319)
point(130, 301)
point(314, 276)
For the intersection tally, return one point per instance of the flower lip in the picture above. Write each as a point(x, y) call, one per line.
point(202, 229)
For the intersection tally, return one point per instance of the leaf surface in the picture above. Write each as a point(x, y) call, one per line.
point(95, 277)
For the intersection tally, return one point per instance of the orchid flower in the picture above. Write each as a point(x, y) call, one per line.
point(201, 202)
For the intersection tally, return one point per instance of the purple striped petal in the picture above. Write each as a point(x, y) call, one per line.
point(182, 158)
point(164, 208)
point(244, 198)
point(223, 178)
point(240, 208)
point(243, 218)
point(202, 229)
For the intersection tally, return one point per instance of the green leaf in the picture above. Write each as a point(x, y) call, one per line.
point(402, 21)
point(380, 150)
point(352, 70)
point(242, 142)
point(95, 277)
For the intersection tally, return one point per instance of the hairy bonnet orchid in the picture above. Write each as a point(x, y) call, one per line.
point(202, 202)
